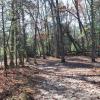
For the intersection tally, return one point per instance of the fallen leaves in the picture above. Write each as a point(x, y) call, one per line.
point(50, 80)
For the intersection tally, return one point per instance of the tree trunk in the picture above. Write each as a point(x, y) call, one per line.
point(93, 32)
point(61, 34)
point(4, 40)
point(80, 26)
point(23, 29)
point(12, 36)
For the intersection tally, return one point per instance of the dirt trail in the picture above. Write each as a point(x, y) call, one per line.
point(50, 80)
point(74, 80)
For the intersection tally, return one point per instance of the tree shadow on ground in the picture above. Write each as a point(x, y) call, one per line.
point(77, 59)
point(51, 86)
point(57, 87)
point(85, 78)
point(67, 64)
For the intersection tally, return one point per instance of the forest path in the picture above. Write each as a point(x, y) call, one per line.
point(77, 79)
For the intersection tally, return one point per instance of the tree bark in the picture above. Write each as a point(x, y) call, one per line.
point(4, 40)
point(93, 33)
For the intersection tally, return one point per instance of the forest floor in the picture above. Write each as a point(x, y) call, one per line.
point(77, 79)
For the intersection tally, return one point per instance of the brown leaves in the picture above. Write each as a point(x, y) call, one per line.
point(49, 78)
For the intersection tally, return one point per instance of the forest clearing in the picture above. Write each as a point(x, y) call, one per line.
point(77, 79)
point(49, 49)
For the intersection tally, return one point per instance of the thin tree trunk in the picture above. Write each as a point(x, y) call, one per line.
point(23, 28)
point(4, 40)
point(80, 26)
point(12, 36)
point(93, 32)
point(56, 37)
point(61, 34)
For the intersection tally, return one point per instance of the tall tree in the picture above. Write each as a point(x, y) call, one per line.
point(4, 38)
point(61, 34)
point(23, 28)
point(93, 32)
point(76, 3)
point(12, 34)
